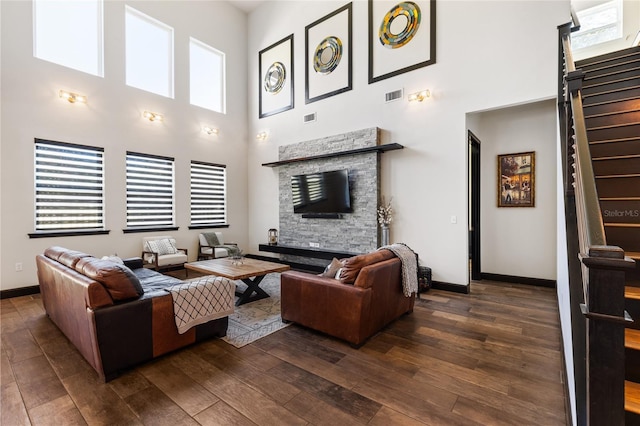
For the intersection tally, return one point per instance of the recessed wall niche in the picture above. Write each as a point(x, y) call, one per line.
point(355, 232)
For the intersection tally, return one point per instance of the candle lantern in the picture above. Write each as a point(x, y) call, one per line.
point(273, 237)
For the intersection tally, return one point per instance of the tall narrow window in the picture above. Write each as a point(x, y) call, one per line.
point(208, 194)
point(69, 33)
point(207, 77)
point(69, 187)
point(149, 191)
point(149, 53)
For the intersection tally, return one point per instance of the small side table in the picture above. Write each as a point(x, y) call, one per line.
point(424, 279)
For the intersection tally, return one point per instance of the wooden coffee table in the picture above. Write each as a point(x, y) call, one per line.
point(251, 272)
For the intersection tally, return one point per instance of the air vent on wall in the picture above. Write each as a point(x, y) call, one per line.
point(393, 96)
point(309, 118)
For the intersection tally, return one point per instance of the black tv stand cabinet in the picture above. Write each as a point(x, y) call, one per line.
point(311, 252)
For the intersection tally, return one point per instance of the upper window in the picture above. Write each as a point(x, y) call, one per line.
point(69, 187)
point(208, 194)
point(149, 191)
point(598, 24)
point(207, 79)
point(149, 53)
point(69, 33)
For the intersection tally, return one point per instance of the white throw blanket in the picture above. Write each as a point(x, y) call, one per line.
point(202, 300)
point(409, 267)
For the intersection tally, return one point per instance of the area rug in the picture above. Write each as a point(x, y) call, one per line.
point(255, 320)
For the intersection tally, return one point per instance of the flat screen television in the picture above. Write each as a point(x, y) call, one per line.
point(321, 193)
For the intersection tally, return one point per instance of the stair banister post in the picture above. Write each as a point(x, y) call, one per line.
point(605, 317)
point(574, 81)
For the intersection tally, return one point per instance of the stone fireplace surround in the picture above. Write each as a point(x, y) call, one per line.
point(355, 232)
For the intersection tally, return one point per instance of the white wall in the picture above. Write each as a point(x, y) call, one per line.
point(519, 241)
point(489, 54)
point(112, 119)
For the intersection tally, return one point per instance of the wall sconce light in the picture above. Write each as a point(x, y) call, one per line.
point(210, 130)
point(262, 136)
point(420, 96)
point(152, 116)
point(73, 97)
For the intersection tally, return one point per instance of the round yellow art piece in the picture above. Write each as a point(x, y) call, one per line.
point(327, 55)
point(399, 25)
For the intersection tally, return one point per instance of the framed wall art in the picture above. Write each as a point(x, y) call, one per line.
point(275, 78)
point(402, 37)
point(328, 55)
point(516, 179)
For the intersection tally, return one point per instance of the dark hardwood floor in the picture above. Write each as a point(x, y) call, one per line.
point(492, 357)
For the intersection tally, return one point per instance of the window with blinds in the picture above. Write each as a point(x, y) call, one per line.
point(208, 194)
point(150, 189)
point(69, 187)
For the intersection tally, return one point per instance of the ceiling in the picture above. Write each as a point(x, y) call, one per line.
point(247, 6)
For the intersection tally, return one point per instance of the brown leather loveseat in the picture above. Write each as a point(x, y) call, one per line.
point(366, 296)
point(117, 315)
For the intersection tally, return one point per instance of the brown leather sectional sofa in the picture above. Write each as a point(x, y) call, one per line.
point(366, 297)
point(116, 315)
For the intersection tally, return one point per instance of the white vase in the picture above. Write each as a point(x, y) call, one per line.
point(384, 235)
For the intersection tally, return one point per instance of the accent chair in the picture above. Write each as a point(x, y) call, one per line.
point(160, 252)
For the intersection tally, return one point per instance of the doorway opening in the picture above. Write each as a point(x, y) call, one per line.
point(474, 207)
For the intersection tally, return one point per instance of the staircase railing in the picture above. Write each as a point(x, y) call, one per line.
point(596, 271)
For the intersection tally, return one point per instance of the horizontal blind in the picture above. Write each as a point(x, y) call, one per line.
point(69, 186)
point(208, 194)
point(149, 191)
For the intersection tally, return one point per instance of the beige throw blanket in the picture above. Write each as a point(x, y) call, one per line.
point(409, 267)
point(202, 300)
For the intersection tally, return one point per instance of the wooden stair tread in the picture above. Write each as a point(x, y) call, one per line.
point(632, 339)
point(604, 114)
point(612, 101)
point(632, 293)
point(621, 89)
point(613, 73)
point(608, 56)
point(593, 62)
point(633, 254)
point(613, 126)
point(632, 396)
point(599, 65)
point(613, 140)
point(604, 83)
point(632, 175)
point(617, 157)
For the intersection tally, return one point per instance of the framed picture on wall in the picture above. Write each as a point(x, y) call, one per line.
point(275, 78)
point(516, 180)
point(402, 37)
point(328, 55)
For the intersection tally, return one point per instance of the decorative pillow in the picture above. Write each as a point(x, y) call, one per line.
point(163, 246)
point(352, 265)
point(332, 268)
point(120, 281)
